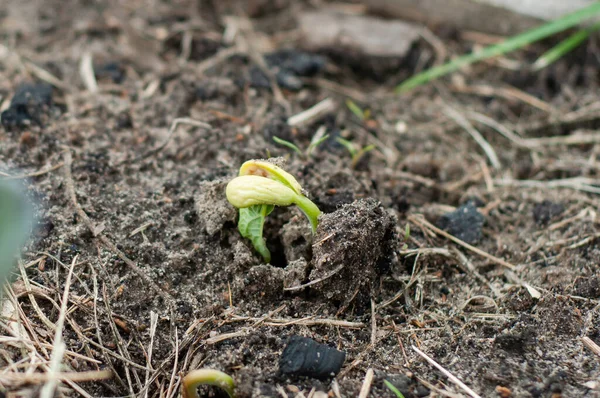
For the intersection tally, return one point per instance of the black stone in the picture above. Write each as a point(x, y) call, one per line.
point(545, 211)
point(27, 105)
point(465, 223)
point(288, 66)
point(112, 70)
point(305, 357)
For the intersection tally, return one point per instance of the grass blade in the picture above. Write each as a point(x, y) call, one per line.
point(355, 109)
point(288, 144)
point(393, 389)
point(506, 46)
point(564, 47)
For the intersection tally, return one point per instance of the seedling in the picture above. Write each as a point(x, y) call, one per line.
point(314, 143)
point(211, 377)
point(260, 187)
point(362, 114)
point(513, 43)
point(393, 389)
point(356, 154)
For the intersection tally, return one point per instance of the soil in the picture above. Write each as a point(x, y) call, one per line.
point(162, 281)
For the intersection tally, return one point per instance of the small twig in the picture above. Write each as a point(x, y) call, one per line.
point(373, 323)
point(366, 387)
point(302, 321)
point(226, 336)
point(153, 325)
point(327, 276)
point(76, 377)
point(421, 220)
point(46, 76)
point(313, 113)
point(86, 71)
point(589, 343)
point(171, 132)
point(476, 135)
point(59, 347)
point(33, 174)
point(446, 373)
point(500, 128)
point(576, 183)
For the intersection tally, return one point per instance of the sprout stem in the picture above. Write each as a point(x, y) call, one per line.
point(309, 209)
point(212, 377)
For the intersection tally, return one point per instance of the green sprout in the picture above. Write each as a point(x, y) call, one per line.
point(15, 224)
point(393, 389)
point(260, 187)
point(510, 44)
point(314, 143)
point(362, 114)
point(564, 47)
point(356, 154)
point(211, 377)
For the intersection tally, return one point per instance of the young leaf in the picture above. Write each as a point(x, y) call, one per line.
point(288, 144)
point(358, 112)
point(393, 389)
point(250, 225)
point(348, 145)
point(316, 143)
point(358, 155)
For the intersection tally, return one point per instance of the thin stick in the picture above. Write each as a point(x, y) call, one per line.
point(302, 321)
point(576, 183)
point(428, 225)
point(327, 276)
point(153, 324)
point(505, 131)
point(313, 113)
point(76, 377)
point(373, 323)
point(366, 387)
point(171, 132)
point(86, 71)
point(59, 346)
point(33, 174)
point(589, 343)
point(449, 375)
point(476, 135)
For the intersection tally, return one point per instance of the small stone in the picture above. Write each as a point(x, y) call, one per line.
point(465, 223)
point(305, 357)
point(545, 211)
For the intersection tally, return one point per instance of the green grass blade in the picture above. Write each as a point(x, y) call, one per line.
point(506, 46)
point(348, 145)
point(316, 143)
point(564, 47)
point(393, 389)
point(358, 112)
point(288, 144)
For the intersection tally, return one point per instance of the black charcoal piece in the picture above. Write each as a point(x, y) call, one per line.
point(465, 223)
point(305, 357)
point(27, 105)
point(545, 211)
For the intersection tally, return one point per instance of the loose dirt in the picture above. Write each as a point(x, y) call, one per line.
point(163, 282)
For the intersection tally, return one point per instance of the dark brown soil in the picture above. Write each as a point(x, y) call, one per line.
point(160, 239)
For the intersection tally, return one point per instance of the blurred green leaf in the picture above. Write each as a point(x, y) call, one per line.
point(15, 225)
